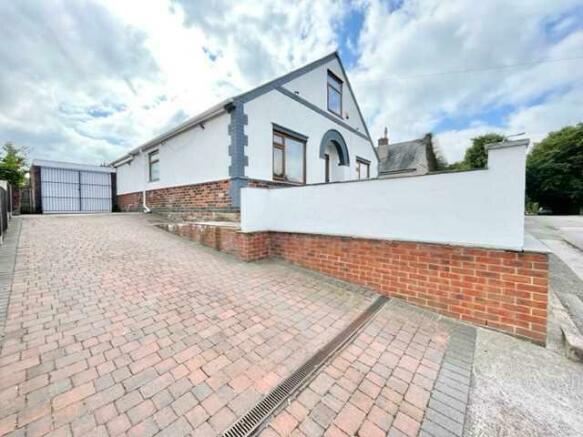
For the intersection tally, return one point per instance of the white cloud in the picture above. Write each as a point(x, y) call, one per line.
point(87, 80)
point(403, 51)
point(154, 62)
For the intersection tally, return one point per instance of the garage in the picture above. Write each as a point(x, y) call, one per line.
point(68, 188)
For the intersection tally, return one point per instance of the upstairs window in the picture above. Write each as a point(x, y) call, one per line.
point(289, 158)
point(334, 94)
point(154, 166)
point(362, 168)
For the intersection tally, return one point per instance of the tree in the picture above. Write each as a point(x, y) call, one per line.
point(554, 171)
point(476, 155)
point(13, 164)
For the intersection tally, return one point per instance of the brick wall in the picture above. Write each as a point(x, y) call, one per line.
point(207, 201)
point(260, 183)
point(130, 202)
point(499, 289)
point(245, 246)
point(207, 195)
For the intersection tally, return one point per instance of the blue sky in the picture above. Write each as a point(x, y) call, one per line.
point(85, 81)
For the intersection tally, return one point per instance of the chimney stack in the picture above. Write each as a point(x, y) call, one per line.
point(384, 141)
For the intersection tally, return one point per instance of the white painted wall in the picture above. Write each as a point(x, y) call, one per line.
point(482, 208)
point(275, 107)
point(312, 87)
point(195, 156)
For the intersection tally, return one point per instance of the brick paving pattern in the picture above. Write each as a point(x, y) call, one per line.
point(382, 383)
point(117, 327)
point(445, 414)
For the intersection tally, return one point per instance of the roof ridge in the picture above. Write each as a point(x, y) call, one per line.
point(215, 109)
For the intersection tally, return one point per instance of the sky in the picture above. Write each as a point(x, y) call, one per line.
point(87, 80)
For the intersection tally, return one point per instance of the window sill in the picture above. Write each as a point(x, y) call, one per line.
point(336, 114)
point(285, 181)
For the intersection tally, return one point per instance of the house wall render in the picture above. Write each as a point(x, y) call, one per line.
point(234, 141)
point(483, 208)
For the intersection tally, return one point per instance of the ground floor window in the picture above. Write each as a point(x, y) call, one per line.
point(154, 166)
point(289, 158)
point(362, 168)
point(327, 168)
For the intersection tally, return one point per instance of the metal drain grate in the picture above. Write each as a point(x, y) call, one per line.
point(253, 419)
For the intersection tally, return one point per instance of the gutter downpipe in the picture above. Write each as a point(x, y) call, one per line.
point(144, 205)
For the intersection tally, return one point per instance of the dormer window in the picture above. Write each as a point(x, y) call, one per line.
point(334, 94)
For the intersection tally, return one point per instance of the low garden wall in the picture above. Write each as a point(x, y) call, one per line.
point(451, 242)
point(224, 237)
point(499, 289)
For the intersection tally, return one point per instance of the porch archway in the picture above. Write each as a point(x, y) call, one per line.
point(335, 138)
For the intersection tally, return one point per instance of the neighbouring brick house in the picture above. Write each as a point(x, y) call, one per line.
point(302, 128)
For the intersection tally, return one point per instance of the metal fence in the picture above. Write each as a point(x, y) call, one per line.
point(4, 211)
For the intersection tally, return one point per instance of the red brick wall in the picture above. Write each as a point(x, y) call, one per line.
point(259, 183)
point(246, 246)
point(208, 201)
point(130, 202)
point(207, 196)
point(499, 289)
point(253, 246)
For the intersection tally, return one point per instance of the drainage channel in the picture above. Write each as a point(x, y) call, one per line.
point(251, 421)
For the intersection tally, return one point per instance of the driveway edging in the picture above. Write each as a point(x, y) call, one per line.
point(448, 403)
point(7, 265)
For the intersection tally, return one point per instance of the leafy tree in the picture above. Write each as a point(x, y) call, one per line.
point(476, 155)
point(554, 171)
point(439, 162)
point(13, 164)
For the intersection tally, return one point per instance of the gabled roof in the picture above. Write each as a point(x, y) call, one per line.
point(408, 155)
point(225, 105)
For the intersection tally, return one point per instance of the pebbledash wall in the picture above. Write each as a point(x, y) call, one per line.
point(451, 242)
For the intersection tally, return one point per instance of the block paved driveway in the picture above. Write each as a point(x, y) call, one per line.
point(117, 327)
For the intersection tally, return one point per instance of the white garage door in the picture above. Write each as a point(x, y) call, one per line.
point(75, 191)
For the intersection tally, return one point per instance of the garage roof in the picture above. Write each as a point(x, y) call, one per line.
point(72, 166)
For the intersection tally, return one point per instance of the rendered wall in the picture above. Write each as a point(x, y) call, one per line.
point(312, 86)
point(479, 208)
point(275, 107)
point(192, 157)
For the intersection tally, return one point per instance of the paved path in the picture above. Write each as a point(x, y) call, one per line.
point(520, 389)
point(563, 235)
point(117, 327)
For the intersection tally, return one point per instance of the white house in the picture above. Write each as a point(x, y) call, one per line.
point(302, 128)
